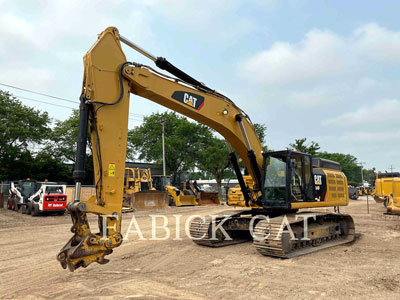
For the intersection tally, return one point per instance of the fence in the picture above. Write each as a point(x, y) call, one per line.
point(3, 193)
point(86, 192)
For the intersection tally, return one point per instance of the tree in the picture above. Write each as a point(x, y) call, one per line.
point(21, 126)
point(214, 159)
point(62, 146)
point(261, 133)
point(64, 136)
point(300, 145)
point(45, 166)
point(183, 140)
point(369, 175)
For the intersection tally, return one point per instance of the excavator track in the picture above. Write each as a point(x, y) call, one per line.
point(328, 230)
point(201, 229)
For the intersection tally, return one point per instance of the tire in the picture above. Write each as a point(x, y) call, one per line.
point(35, 210)
point(171, 201)
point(14, 205)
point(9, 204)
point(60, 213)
point(29, 208)
point(23, 209)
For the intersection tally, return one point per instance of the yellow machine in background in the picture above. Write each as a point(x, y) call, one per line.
point(184, 192)
point(139, 192)
point(384, 184)
point(235, 195)
point(284, 181)
point(393, 201)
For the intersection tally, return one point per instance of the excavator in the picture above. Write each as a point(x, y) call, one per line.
point(285, 182)
point(393, 201)
point(384, 186)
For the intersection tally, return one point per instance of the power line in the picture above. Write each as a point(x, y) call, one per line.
point(35, 100)
point(50, 96)
point(42, 94)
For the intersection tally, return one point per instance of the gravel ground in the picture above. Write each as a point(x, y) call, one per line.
point(369, 268)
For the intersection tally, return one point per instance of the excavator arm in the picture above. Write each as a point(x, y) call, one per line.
point(107, 83)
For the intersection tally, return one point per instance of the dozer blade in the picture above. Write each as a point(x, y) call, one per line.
point(149, 200)
point(186, 200)
point(208, 198)
point(379, 199)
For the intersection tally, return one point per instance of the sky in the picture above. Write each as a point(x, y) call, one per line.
point(324, 70)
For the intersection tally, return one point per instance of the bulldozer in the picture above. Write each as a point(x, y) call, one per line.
point(139, 193)
point(202, 197)
point(185, 192)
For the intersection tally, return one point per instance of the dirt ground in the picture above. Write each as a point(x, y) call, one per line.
point(169, 269)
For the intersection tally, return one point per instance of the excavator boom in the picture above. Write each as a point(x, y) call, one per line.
point(107, 82)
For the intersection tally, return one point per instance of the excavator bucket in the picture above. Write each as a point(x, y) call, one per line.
point(208, 198)
point(186, 200)
point(152, 199)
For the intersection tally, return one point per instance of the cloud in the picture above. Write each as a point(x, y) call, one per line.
point(382, 112)
point(213, 20)
point(371, 137)
point(319, 95)
point(376, 44)
point(323, 55)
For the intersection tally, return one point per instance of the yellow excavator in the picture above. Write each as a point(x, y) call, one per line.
point(384, 185)
point(393, 201)
point(139, 193)
point(285, 182)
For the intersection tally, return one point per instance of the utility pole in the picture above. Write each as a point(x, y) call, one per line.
point(362, 183)
point(391, 168)
point(163, 145)
point(362, 175)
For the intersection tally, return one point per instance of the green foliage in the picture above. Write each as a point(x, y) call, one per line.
point(260, 131)
point(300, 144)
point(214, 159)
point(62, 146)
point(63, 138)
point(20, 127)
point(183, 140)
point(45, 166)
point(369, 175)
point(348, 163)
point(41, 166)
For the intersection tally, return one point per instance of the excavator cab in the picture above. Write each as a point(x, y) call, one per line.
point(287, 177)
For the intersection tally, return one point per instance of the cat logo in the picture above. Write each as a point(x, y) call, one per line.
point(189, 99)
point(318, 179)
